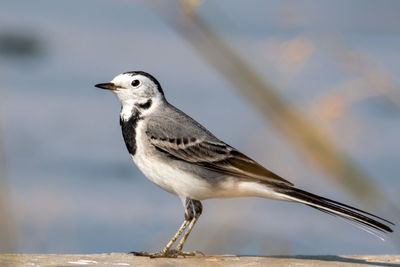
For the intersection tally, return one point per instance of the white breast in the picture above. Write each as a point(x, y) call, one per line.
point(167, 176)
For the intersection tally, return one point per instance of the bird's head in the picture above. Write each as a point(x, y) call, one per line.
point(134, 88)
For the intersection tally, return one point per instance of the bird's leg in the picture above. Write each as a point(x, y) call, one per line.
point(175, 237)
point(198, 208)
point(166, 252)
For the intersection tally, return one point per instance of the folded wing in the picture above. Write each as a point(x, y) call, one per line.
point(192, 143)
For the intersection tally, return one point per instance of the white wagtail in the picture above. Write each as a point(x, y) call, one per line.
point(181, 156)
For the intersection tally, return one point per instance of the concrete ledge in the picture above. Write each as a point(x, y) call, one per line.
point(119, 259)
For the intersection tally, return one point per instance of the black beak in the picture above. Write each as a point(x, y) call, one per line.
point(107, 86)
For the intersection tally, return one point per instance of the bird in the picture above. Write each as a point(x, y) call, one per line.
point(182, 157)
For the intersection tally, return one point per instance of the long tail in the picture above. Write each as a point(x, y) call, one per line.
point(367, 221)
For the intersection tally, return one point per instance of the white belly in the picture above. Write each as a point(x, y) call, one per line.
point(169, 178)
point(172, 179)
point(185, 185)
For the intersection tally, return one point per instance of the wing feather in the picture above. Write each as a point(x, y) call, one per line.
point(196, 145)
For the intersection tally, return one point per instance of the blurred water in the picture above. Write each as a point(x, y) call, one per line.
point(74, 188)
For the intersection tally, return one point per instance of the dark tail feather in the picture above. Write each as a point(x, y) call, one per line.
point(364, 219)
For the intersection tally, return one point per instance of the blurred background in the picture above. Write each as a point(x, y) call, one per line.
point(310, 89)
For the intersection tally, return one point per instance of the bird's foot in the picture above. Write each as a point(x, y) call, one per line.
point(173, 253)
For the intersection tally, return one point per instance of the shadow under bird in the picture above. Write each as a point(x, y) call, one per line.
point(182, 157)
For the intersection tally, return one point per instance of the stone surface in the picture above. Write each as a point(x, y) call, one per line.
point(118, 259)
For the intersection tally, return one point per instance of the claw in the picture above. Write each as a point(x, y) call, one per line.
point(173, 253)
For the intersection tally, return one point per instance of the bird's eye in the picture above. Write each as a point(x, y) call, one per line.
point(135, 83)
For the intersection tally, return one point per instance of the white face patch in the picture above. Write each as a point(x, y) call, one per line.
point(135, 89)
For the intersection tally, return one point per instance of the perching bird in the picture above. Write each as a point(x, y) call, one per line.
point(182, 157)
